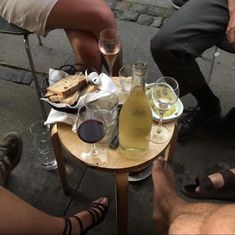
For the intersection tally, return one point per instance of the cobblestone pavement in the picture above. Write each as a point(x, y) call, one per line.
point(143, 13)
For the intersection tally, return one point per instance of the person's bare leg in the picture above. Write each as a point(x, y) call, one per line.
point(18, 217)
point(165, 197)
point(178, 216)
point(83, 20)
point(85, 49)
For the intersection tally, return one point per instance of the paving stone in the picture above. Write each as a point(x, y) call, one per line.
point(140, 8)
point(157, 22)
point(145, 19)
point(123, 6)
point(129, 15)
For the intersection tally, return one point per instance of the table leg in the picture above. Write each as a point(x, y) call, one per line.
point(121, 190)
point(168, 155)
point(60, 159)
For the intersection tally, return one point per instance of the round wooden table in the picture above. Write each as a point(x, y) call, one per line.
point(62, 135)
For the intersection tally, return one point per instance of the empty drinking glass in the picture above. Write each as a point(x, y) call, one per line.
point(42, 145)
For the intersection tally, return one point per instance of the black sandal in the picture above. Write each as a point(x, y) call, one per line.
point(96, 210)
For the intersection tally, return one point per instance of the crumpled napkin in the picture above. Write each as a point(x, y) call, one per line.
point(57, 116)
point(104, 83)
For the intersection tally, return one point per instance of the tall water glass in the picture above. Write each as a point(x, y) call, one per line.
point(42, 145)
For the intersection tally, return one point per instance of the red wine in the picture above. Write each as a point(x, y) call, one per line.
point(91, 131)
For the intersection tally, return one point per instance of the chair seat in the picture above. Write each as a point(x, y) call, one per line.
point(7, 28)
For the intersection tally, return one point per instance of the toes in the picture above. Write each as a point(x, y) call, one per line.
point(158, 163)
point(102, 200)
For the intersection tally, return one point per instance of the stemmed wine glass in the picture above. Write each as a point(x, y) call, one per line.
point(109, 45)
point(165, 94)
point(91, 128)
point(96, 123)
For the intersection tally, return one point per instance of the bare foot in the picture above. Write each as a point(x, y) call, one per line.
point(165, 196)
point(98, 209)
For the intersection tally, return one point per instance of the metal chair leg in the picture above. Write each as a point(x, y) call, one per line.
point(39, 93)
point(39, 40)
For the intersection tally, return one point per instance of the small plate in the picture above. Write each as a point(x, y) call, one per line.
point(174, 113)
point(141, 175)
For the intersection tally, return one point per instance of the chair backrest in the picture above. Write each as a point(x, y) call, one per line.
point(8, 28)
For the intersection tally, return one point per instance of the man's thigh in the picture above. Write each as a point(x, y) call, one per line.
point(199, 23)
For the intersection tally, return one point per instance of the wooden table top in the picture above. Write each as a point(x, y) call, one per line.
point(116, 161)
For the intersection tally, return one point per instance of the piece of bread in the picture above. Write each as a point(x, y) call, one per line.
point(89, 89)
point(71, 99)
point(55, 98)
point(67, 86)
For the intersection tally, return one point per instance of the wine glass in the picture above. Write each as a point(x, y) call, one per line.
point(165, 94)
point(91, 129)
point(109, 45)
point(96, 121)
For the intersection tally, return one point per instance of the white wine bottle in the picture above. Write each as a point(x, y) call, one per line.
point(135, 119)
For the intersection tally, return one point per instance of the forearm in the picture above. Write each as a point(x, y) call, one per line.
point(231, 6)
point(230, 32)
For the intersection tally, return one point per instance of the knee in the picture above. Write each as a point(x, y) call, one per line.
point(159, 44)
point(86, 46)
point(104, 18)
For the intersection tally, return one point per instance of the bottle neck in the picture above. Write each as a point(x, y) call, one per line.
point(139, 74)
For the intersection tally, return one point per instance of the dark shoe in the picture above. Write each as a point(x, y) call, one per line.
point(10, 154)
point(193, 120)
point(97, 211)
point(207, 189)
point(178, 3)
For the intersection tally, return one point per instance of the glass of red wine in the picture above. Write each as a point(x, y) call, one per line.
point(95, 120)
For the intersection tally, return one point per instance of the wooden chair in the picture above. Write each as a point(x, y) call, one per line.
point(11, 29)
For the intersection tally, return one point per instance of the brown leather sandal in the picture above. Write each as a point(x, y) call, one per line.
point(97, 212)
point(208, 190)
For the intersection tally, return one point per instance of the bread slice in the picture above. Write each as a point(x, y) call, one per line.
point(71, 99)
point(89, 89)
point(55, 98)
point(67, 86)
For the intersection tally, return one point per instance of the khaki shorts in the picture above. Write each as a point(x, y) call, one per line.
point(28, 14)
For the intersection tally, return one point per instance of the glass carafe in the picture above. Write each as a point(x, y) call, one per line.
point(135, 120)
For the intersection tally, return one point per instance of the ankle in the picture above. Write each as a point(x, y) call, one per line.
point(71, 226)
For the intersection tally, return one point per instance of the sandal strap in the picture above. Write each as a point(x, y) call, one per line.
point(79, 222)
point(94, 215)
point(99, 206)
point(65, 226)
point(68, 226)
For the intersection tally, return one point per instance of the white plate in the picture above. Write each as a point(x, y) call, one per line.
point(171, 115)
point(141, 175)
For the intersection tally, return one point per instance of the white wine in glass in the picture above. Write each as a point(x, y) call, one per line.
point(109, 45)
point(165, 94)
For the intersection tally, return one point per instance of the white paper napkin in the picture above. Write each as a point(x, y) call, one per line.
point(57, 116)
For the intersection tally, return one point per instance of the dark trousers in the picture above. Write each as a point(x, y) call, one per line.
point(197, 26)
